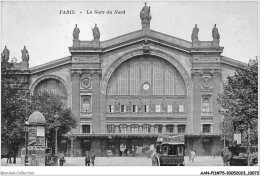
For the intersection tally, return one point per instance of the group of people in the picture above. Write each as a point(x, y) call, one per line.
point(192, 155)
point(49, 159)
point(90, 159)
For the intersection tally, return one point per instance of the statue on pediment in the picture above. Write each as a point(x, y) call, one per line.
point(152, 105)
point(164, 105)
point(129, 104)
point(140, 105)
point(195, 32)
point(96, 33)
point(5, 54)
point(215, 33)
point(25, 54)
point(145, 13)
point(76, 32)
point(117, 105)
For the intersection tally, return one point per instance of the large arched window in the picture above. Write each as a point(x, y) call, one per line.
point(205, 105)
point(53, 86)
point(153, 76)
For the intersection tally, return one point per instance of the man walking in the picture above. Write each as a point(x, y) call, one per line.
point(87, 159)
point(62, 158)
point(192, 155)
point(93, 158)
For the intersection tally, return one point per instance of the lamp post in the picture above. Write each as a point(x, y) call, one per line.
point(26, 124)
point(56, 125)
point(72, 138)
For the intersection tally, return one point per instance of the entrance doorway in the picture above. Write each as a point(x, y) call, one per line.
point(207, 145)
point(122, 148)
point(85, 146)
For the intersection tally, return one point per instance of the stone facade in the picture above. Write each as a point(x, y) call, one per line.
point(126, 91)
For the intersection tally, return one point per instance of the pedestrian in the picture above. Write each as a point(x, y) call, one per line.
point(62, 158)
point(48, 159)
point(192, 155)
point(9, 156)
point(93, 158)
point(214, 153)
point(87, 159)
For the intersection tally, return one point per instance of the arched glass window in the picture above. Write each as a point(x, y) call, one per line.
point(54, 87)
point(205, 105)
point(86, 104)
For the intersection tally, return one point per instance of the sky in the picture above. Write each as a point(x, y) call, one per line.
point(47, 34)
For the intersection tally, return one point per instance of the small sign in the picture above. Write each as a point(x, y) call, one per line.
point(40, 130)
point(237, 137)
point(40, 140)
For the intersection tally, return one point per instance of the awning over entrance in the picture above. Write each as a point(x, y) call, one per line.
point(118, 135)
point(131, 135)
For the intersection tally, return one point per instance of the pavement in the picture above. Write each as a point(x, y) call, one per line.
point(128, 161)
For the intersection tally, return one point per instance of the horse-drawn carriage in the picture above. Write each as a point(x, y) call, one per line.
point(169, 150)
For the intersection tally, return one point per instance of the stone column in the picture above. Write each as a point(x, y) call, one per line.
point(163, 129)
point(117, 129)
point(152, 129)
point(128, 128)
point(75, 79)
point(175, 129)
point(117, 148)
point(96, 103)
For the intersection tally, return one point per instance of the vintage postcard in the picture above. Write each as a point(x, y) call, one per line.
point(90, 84)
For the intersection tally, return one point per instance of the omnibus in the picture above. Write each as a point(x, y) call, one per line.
point(169, 151)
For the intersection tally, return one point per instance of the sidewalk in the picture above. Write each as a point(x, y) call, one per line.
point(129, 161)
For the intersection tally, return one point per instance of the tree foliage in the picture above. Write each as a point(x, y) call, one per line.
point(14, 93)
point(49, 104)
point(17, 105)
point(240, 100)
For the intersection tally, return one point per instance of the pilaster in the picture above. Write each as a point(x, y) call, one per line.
point(216, 82)
point(196, 79)
point(75, 77)
point(96, 121)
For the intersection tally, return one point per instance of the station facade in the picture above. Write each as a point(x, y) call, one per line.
point(128, 90)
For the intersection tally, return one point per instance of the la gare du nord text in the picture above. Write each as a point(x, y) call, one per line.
point(93, 12)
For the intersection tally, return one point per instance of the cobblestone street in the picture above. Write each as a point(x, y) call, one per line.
point(129, 161)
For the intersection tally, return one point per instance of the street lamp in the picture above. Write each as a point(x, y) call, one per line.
point(72, 138)
point(56, 124)
point(26, 129)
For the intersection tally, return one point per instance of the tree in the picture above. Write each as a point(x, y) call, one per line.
point(49, 104)
point(14, 92)
point(17, 104)
point(240, 101)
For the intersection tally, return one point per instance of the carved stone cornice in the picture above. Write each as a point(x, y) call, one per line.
point(205, 71)
point(216, 71)
point(85, 71)
point(75, 72)
point(196, 72)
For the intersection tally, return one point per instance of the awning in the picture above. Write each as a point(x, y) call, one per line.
point(141, 135)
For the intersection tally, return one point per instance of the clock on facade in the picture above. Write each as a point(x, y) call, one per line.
point(206, 82)
point(146, 86)
point(86, 83)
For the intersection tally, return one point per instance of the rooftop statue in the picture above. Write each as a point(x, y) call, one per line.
point(25, 55)
point(195, 32)
point(215, 33)
point(76, 32)
point(96, 33)
point(145, 13)
point(5, 54)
